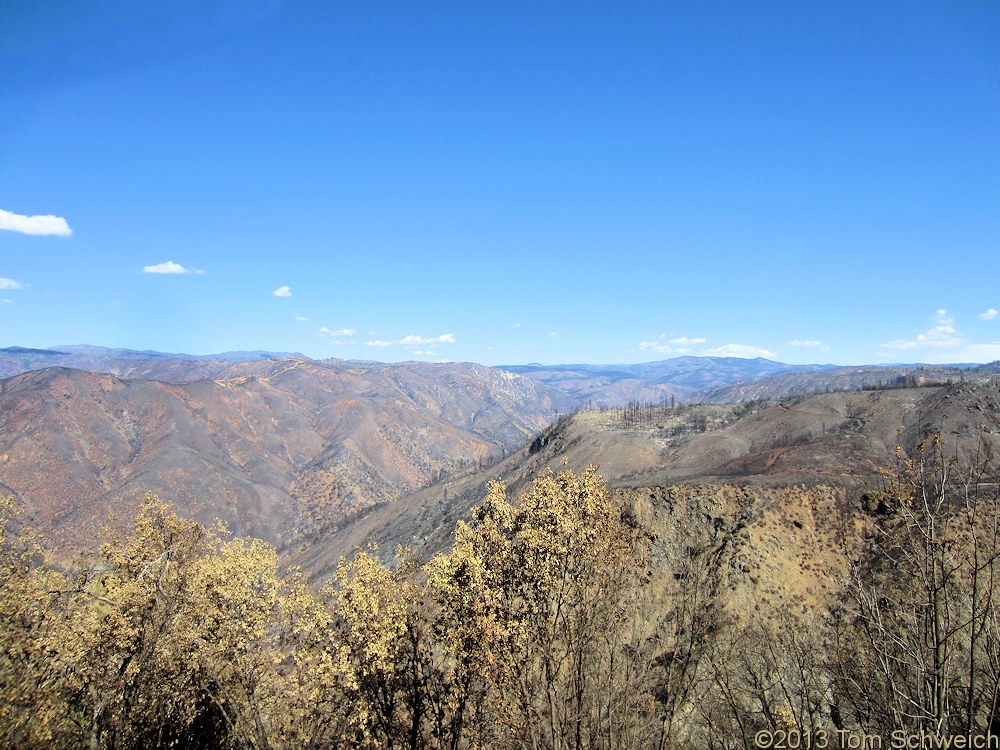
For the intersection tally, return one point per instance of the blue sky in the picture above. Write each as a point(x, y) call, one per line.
point(503, 182)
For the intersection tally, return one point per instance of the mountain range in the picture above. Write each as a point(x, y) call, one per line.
point(309, 454)
point(270, 446)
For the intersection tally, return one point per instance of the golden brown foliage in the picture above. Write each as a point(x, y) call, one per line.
point(541, 600)
point(542, 627)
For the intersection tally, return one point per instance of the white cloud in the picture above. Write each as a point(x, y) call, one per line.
point(47, 225)
point(517, 325)
point(662, 345)
point(989, 314)
point(170, 268)
point(941, 335)
point(301, 318)
point(656, 346)
point(324, 331)
point(10, 284)
point(555, 334)
point(943, 343)
point(7, 301)
point(444, 338)
point(282, 291)
point(743, 351)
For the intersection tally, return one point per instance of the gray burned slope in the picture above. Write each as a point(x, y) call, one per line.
point(787, 385)
point(838, 441)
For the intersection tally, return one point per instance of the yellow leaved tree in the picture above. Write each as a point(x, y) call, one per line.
point(36, 642)
point(540, 600)
point(174, 636)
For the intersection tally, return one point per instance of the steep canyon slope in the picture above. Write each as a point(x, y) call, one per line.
point(809, 459)
point(272, 448)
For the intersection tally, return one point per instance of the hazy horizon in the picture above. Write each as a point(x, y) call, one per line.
point(525, 363)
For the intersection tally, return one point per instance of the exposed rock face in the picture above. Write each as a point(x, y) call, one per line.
point(807, 460)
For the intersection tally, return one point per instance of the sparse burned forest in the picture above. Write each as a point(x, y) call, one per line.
point(563, 618)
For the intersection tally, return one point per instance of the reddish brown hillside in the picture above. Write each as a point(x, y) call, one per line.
point(272, 449)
